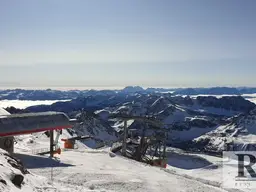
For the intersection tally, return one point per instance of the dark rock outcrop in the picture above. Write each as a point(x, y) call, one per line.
point(17, 180)
point(16, 163)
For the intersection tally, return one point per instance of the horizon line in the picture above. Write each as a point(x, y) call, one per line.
point(102, 88)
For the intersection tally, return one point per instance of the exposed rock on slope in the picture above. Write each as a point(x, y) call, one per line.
point(187, 118)
point(240, 134)
point(229, 103)
point(91, 124)
point(15, 177)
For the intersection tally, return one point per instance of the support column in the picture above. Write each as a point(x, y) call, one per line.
point(165, 141)
point(51, 143)
point(7, 143)
point(141, 145)
point(125, 138)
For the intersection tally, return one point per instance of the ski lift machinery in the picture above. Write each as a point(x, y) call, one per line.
point(158, 142)
point(19, 124)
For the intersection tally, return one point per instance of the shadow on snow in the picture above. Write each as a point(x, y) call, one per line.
point(35, 162)
point(186, 161)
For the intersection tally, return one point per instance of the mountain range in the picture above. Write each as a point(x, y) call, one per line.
point(197, 123)
point(49, 94)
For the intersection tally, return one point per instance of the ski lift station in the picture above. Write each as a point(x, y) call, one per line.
point(19, 124)
point(151, 149)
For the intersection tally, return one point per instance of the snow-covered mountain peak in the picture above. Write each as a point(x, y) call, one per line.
point(90, 124)
point(159, 105)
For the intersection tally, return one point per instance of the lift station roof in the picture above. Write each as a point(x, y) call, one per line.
point(19, 124)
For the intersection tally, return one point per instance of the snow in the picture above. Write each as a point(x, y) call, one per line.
point(3, 112)
point(104, 114)
point(253, 99)
point(119, 125)
point(89, 169)
point(200, 167)
point(249, 95)
point(241, 133)
point(31, 183)
point(217, 96)
point(84, 169)
point(101, 131)
point(22, 104)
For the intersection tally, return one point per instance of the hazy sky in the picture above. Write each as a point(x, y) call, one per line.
point(97, 43)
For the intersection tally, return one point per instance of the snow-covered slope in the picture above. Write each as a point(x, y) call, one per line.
point(3, 112)
point(98, 171)
point(240, 134)
point(200, 167)
point(84, 170)
point(12, 171)
point(93, 125)
point(187, 118)
point(103, 114)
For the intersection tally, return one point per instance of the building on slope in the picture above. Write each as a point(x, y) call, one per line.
point(18, 124)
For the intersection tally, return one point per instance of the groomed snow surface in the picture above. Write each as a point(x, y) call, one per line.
point(85, 169)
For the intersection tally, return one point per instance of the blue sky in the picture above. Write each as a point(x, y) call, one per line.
point(113, 43)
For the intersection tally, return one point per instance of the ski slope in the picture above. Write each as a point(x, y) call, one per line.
point(86, 169)
point(91, 170)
